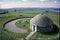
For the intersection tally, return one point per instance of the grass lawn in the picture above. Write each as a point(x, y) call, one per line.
point(53, 17)
point(7, 35)
point(24, 23)
point(42, 36)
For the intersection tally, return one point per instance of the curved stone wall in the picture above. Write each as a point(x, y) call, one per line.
point(13, 20)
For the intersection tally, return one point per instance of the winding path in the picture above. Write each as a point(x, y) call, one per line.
point(12, 27)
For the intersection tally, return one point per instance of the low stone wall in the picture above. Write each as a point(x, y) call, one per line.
point(13, 20)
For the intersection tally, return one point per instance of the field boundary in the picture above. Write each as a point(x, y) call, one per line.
point(13, 20)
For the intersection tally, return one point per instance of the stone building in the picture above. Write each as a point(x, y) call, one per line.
point(41, 23)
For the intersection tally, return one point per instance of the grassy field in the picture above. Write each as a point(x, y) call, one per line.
point(7, 35)
point(24, 23)
point(54, 17)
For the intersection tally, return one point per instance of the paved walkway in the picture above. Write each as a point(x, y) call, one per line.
point(12, 27)
point(30, 35)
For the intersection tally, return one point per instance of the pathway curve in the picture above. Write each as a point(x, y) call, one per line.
point(30, 34)
point(12, 27)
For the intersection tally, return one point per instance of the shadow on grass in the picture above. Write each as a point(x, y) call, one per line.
point(53, 32)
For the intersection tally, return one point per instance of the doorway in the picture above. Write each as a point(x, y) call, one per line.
point(34, 28)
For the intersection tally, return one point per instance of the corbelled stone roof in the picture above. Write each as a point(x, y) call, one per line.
point(41, 20)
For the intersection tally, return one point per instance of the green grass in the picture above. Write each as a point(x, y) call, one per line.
point(7, 35)
point(24, 13)
point(55, 17)
point(23, 24)
point(39, 35)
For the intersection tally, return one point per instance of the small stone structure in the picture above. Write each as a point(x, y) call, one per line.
point(41, 23)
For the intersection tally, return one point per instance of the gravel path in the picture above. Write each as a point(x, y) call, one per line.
point(30, 34)
point(12, 27)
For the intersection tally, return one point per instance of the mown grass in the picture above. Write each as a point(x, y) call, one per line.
point(7, 35)
point(24, 23)
point(53, 16)
point(3, 34)
point(43, 36)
